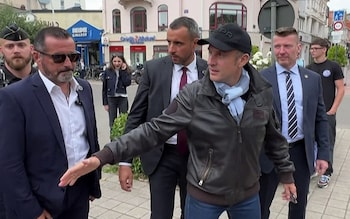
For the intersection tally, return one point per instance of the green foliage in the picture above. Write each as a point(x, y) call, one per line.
point(119, 126)
point(118, 130)
point(10, 15)
point(254, 49)
point(338, 54)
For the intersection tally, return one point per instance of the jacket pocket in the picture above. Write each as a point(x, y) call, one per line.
point(207, 168)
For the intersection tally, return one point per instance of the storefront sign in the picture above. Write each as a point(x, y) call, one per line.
point(137, 39)
point(79, 32)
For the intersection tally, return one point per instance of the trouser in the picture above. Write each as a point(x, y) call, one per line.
point(195, 209)
point(116, 104)
point(170, 172)
point(2, 207)
point(332, 135)
point(270, 181)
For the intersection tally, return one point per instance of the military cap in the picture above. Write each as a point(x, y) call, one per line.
point(14, 33)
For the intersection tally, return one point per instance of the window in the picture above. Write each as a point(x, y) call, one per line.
point(138, 20)
point(162, 18)
point(301, 23)
point(222, 13)
point(116, 21)
point(160, 51)
point(62, 4)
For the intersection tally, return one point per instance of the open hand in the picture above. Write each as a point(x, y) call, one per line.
point(78, 170)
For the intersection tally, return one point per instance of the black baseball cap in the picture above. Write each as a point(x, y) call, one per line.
point(229, 37)
point(14, 33)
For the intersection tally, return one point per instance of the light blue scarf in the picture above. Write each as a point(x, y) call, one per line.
point(231, 96)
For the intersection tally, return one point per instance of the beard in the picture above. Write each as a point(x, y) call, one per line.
point(58, 77)
point(65, 76)
point(18, 63)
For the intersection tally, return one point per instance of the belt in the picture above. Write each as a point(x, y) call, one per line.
point(296, 143)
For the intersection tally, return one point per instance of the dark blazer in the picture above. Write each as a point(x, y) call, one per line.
point(315, 125)
point(152, 97)
point(108, 83)
point(33, 155)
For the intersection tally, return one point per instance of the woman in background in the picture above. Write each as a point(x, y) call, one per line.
point(116, 78)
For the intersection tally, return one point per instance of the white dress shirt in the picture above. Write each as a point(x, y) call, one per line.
point(192, 75)
point(298, 96)
point(72, 120)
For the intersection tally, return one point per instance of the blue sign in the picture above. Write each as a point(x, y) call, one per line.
point(82, 31)
point(338, 15)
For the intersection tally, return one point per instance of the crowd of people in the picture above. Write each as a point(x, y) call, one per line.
point(221, 131)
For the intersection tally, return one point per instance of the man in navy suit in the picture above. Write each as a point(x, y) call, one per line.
point(47, 125)
point(165, 166)
point(311, 122)
point(16, 50)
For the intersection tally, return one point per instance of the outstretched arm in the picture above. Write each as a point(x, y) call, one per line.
point(80, 169)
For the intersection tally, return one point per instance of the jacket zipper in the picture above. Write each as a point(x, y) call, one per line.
point(206, 172)
point(239, 133)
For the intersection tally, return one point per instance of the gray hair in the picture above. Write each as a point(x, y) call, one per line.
point(51, 31)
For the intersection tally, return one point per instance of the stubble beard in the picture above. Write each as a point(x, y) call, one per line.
point(64, 77)
point(18, 63)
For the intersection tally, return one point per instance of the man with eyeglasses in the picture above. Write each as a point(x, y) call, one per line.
point(16, 49)
point(333, 93)
point(47, 125)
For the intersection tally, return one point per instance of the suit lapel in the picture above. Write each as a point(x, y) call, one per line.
point(85, 102)
point(201, 67)
point(167, 78)
point(306, 88)
point(47, 106)
point(275, 90)
point(167, 74)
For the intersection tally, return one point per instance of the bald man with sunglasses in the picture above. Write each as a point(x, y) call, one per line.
point(50, 125)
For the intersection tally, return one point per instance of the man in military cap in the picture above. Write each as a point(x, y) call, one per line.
point(17, 54)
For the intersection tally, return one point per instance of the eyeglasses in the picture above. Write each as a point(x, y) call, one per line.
point(315, 48)
point(60, 58)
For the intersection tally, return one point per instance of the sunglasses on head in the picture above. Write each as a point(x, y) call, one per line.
point(60, 58)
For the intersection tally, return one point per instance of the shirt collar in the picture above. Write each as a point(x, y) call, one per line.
point(281, 70)
point(190, 68)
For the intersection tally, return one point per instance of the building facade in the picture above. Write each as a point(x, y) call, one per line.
point(44, 4)
point(137, 28)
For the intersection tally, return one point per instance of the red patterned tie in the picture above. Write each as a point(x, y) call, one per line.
point(181, 135)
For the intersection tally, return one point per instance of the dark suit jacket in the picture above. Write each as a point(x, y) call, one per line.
point(108, 84)
point(315, 125)
point(33, 155)
point(152, 97)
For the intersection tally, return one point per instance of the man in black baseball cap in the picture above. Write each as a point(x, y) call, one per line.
point(17, 53)
point(229, 118)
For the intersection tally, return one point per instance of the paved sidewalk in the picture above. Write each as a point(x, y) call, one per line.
point(332, 202)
